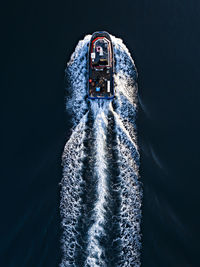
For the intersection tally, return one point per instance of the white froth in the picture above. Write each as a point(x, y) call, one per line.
point(124, 109)
point(96, 231)
point(70, 204)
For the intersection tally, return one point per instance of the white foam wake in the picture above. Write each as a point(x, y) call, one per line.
point(76, 75)
point(125, 127)
point(91, 251)
point(72, 182)
point(95, 251)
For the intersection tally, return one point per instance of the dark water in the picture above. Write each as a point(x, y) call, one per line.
point(37, 41)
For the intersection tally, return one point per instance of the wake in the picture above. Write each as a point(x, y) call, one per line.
point(100, 189)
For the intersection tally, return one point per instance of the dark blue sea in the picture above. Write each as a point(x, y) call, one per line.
point(37, 41)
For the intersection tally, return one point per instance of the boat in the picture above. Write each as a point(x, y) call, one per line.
point(100, 66)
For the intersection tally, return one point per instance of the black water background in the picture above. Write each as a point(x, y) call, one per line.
point(37, 39)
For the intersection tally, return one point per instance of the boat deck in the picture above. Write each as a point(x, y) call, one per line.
point(100, 61)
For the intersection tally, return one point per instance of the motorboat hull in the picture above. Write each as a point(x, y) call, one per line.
point(100, 67)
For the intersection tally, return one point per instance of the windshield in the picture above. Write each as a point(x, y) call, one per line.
point(100, 53)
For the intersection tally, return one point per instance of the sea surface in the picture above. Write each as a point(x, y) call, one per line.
point(40, 138)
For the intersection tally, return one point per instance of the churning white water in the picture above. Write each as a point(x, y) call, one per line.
point(89, 177)
point(95, 251)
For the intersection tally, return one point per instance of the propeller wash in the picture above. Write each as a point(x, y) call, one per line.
point(100, 190)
